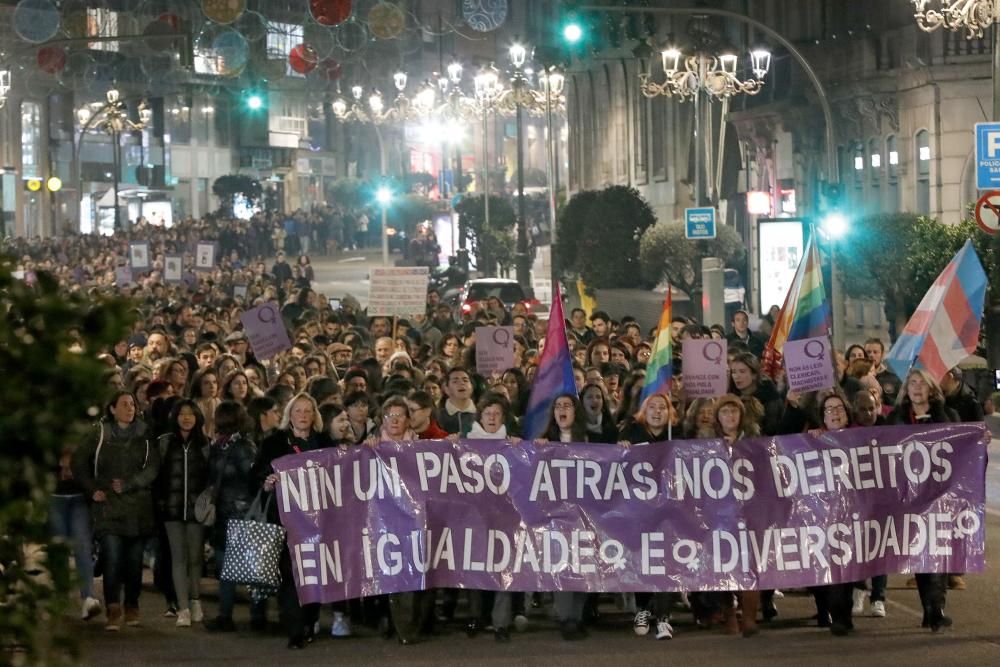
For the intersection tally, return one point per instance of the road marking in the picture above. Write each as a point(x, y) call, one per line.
point(906, 608)
point(350, 259)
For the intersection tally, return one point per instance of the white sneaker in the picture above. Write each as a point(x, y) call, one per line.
point(859, 601)
point(878, 609)
point(641, 623)
point(91, 607)
point(197, 613)
point(341, 626)
point(778, 594)
point(520, 622)
point(183, 618)
point(663, 628)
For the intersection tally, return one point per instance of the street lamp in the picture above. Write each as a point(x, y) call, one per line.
point(384, 197)
point(518, 54)
point(113, 119)
point(972, 16)
point(691, 77)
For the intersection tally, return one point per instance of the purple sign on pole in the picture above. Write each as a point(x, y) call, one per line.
point(266, 330)
point(705, 368)
point(808, 364)
point(494, 349)
point(693, 515)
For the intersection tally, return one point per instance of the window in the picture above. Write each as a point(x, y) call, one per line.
point(281, 39)
point(31, 140)
point(102, 23)
point(923, 172)
point(859, 165)
point(892, 173)
point(178, 112)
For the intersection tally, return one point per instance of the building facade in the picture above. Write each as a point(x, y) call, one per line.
point(904, 104)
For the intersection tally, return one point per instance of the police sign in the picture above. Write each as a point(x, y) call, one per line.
point(988, 156)
point(699, 223)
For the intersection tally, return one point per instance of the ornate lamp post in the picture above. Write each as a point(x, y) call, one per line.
point(4, 86)
point(702, 74)
point(114, 120)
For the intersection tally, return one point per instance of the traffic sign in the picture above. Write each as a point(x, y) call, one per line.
point(988, 212)
point(988, 156)
point(699, 223)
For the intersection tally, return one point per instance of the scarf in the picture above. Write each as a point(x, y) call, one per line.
point(478, 433)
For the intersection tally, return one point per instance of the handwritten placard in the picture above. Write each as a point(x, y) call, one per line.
point(399, 291)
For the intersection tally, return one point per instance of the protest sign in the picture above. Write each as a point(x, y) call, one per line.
point(494, 349)
point(266, 330)
point(138, 256)
point(705, 368)
point(694, 515)
point(808, 364)
point(123, 276)
point(173, 267)
point(204, 256)
point(398, 291)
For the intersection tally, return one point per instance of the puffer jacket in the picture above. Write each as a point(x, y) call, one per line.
point(183, 476)
point(230, 461)
point(130, 455)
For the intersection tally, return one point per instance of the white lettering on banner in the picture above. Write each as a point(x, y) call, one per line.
point(471, 474)
point(579, 479)
point(694, 476)
point(859, 468)
point(328, 562)
point(382, 476)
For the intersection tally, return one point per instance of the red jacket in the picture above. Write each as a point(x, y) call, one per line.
point(433, 432)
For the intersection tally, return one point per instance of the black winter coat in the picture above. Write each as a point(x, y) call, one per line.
point(112, 453)
point(183, 476)
point(965, 404)
point(276, 445)
point(230, 461)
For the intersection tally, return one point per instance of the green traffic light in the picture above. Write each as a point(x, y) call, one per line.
point(572, 33)
point(255, 102)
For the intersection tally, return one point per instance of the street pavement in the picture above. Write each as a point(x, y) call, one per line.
point(791, 639)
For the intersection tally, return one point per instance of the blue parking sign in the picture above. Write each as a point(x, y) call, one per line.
point(699, 223)
point(988, 156)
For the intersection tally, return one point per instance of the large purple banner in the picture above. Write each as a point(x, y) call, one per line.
point(780, 512)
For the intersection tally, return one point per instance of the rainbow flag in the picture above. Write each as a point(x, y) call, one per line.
point(944, 330)
point(805, 313)
point(660, 367)
point(555, 372)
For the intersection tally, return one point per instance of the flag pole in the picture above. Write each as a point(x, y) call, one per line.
point(670, 413)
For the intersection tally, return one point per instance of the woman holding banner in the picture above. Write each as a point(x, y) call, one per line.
point(733, 423)
point(301, 430)
point(409, 611)
point(835, 599)
point(921, 401)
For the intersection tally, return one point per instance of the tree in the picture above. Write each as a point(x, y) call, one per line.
point(664, 254)
point(493, 245)
point(896, 257)
point(51, 396)
point(406, 212)
point(598, 235)
point(230, 186)
point(352, 193)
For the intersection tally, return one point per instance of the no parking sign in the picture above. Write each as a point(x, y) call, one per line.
point(988, 212)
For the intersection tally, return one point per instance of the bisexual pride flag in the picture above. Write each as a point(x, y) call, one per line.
point(555, 372)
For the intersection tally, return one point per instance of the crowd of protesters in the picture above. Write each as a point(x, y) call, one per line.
point(193, 410)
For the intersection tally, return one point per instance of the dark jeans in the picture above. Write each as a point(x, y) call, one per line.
point(879, 584)
point(122, 566)
point(69, 518)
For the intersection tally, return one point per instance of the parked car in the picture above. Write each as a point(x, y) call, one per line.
point(508, 291)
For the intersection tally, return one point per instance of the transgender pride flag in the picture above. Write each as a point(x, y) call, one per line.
point(944, 330)
point(555, 372)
